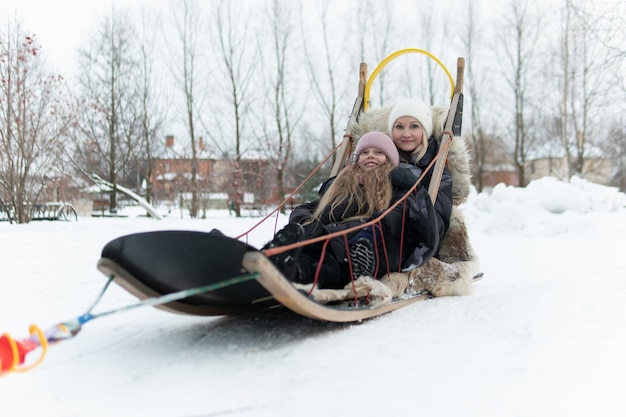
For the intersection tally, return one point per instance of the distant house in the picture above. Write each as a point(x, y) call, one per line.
point(546, 160)
point(218, 181)
point(595, 169)
point(497, 166)
point(503, 174)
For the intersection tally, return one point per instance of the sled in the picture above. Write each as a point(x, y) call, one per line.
point(152, 264)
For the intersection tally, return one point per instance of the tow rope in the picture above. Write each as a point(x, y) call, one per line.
point(13, 352)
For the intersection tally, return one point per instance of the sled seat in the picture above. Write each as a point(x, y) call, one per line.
point(152, 264)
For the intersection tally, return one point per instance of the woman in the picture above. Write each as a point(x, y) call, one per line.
point(410, 125)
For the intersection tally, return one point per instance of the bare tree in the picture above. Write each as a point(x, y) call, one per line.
point(151, 114)
point(605, 21)
point(565, 84)
point(375, 23)
point(580, 99)
point(617, 147)
point(186, 70)
point(473, 43)
point(285, 109)
point(107, 138)
point(597, 82)
point(327, 85)
point(236, 66)
point(583, 82)
point(363, 19)
point(427, 27)
point(33, 120)
point(518, 40)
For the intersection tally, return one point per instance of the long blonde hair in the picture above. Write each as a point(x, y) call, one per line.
point(369, 191)
point(421, 149)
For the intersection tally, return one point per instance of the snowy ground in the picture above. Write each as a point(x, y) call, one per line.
point(542, 335)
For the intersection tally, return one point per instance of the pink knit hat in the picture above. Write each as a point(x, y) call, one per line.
point(380, 141)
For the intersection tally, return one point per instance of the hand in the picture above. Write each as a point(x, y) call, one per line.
point(403, 178)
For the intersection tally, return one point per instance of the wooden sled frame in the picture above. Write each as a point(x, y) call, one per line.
point(288, 296)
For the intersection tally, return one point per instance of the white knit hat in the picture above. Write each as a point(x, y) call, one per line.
point(414, 108)
point(380, 141)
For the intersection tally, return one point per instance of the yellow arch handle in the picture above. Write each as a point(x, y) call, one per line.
point(370, 80)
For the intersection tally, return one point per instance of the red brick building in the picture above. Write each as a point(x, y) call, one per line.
point(219, 181)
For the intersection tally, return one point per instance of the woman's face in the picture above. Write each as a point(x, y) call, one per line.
point(407, 133)
point(371, 158)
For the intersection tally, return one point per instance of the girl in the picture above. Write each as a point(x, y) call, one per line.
point(356, 195)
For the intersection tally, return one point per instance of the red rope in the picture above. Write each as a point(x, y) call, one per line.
point(319, 266)
point(280, 249)
point(402, 236)
point(374, 223)
point(289, 197)
point(345, 240)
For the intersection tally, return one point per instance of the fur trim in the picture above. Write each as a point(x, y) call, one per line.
point(397, 282)
point(455, 245)
point(443, 279)
point(452, 273)
point(376, 292)
point(458, 155)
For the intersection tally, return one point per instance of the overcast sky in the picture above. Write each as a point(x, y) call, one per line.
point(62, 25)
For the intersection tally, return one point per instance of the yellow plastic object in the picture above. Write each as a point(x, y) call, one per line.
point(370, 81)
point(43, 342)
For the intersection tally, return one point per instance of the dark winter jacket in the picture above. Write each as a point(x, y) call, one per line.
point(335, 272)
point(424, 225)
point(428, 224)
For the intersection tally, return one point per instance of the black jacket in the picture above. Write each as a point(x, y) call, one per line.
point(408, 247)
point(427, 224)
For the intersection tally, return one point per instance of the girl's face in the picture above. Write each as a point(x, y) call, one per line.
point(371, 158)
point(407, 133)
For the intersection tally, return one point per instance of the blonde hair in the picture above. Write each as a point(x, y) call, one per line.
point(369, 191)
point(420, 151)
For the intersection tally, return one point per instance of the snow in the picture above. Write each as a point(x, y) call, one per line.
point(542, 335)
